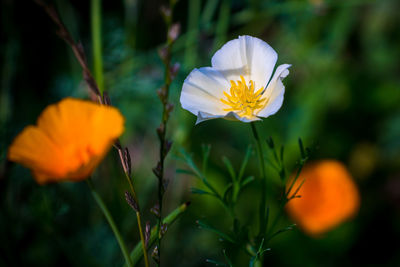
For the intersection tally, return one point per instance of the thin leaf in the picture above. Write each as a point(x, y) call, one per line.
point(228, 189)
point(297, 190)
point(137, 252)
point(189, 161)
point(266, 218)
point(244, 162)
point(183, 171)
point(227, 258)
point(252, 261)
point(209, 11)
point(282, 173)
point(294, 180)
point(302, 151)
point(230, 168)
point(199, 191)
point(287, 228)
point(210, 228)
point(247, 180)
point(206, 154)
point(282, 152)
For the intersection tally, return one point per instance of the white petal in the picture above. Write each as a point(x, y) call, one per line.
point(202, 91)
point(232, 116)
point(203, 116)
point(247, 56)
point(275, 91)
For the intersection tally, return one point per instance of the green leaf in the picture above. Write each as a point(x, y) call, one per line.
point(227, 258)
point(247, 180)
point(282, 173)
point(189, 161)
point(210, 228)
point(270, 142)
point(282, 152)
point(252, 261)
point(199, 191)
point(259, 253)
point(206, 154)
point(230, 168)
point(183, 171)
point(302, 151)
point(228, 189)
point(137, 252)
point(244, 162)
point(287, 228)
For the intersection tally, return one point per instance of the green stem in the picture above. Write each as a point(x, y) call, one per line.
point(193, 32)
point(137, 252)
point(111, 222)
point(97, 44)
point(139, 221)
point(222, 25)
point(263, 223)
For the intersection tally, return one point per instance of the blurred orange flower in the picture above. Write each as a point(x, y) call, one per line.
point(328, 197)
point(69, 141)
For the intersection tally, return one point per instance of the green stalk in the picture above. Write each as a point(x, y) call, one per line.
point(193, 33)
point(260, 152)
point(137, 252)
point(111, 222)
point(222, 25)
point(97, 45)
point(263, 223)
point(139, 221)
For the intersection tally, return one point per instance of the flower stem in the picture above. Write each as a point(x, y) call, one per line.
point(95, 9)
point(165, 144)
point(139, 221)
point(137, 252)
point(110, 221)
point(260, 152)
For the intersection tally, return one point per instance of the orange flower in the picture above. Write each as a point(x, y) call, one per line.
point(328, 197)
point(69, 141)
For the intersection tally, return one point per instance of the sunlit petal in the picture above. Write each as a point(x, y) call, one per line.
point(328, 197)
point(69, 141)
point(275, 92)
point(247, 56)
point(202, 90)
point(236, 86)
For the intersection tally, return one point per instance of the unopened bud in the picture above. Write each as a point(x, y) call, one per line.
point(128, 161)
point(158, 170)
point(147, 234)
point(174, 31)
point(165, 184)
point(131, 201)
point(174, 70)
point(155, 255)
point(167, 147)
point(163, 53)
point(106, 99)
point(164, 228)
point(166, 12)
point(169, 107)
point(160, 130)
point(156, 210)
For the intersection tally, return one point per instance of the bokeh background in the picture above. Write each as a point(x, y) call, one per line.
point(342, 98)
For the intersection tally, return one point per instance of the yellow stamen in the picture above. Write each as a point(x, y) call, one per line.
point(243, 100)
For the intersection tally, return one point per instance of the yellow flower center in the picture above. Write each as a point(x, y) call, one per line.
point(243, 100)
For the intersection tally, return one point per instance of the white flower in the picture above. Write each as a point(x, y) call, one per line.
point(236, 87)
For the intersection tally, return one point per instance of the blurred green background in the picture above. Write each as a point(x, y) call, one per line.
point(342, 98)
